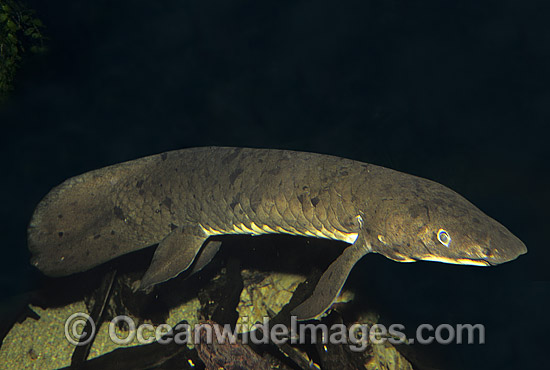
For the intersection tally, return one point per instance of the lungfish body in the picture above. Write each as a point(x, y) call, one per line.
point(179, 199)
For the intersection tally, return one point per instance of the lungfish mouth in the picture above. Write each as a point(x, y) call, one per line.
point(456, 261)
point(430, 257)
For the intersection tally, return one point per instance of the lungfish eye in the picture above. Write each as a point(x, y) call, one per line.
point(444, 237)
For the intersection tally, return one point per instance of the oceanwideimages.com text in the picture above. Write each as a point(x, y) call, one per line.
point(357, 336)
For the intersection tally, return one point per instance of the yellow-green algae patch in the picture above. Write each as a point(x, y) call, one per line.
point(103, 343)
point(41, 344)
point(386, 357)
point(273, 292)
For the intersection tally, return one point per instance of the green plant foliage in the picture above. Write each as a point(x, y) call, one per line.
point(20, 31)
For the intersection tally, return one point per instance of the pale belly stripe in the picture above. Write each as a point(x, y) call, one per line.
point(264, 229)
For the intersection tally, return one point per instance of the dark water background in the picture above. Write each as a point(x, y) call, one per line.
point(455, 92)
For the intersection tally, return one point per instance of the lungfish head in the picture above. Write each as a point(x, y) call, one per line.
point(421, 220)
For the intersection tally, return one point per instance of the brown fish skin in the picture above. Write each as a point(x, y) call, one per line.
point(180, 198)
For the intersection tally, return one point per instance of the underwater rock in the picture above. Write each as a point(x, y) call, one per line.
point(228, 295)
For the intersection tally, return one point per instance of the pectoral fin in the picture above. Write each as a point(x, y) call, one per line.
point(330, 284)
point(207, 253)
point(174, 254)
